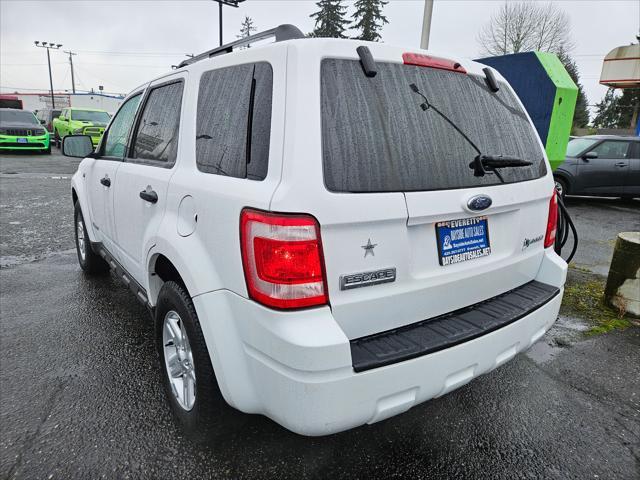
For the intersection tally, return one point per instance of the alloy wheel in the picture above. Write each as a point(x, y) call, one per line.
point(178, 359)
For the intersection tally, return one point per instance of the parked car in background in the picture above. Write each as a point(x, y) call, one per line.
point(600, 165)
point(80, 121)
point(315, 237)
point(21, 130)
point(46, 117)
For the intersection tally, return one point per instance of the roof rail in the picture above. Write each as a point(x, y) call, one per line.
point(281, 33)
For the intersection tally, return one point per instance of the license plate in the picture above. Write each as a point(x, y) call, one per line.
point(22, 140)
point(462, 240)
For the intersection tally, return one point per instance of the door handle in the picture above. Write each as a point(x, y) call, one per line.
point(106, 181)
point(621, 164)
point(149, 195)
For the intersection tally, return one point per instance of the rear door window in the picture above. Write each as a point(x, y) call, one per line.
point(233, 126)
point(156, 137)
point(377, 138)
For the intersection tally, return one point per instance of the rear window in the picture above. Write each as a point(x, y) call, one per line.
point(233, 125)
point(376, 138)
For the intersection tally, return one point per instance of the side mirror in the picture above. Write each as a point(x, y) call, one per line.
point(77, 146)
point(590, 155)
point(43, 122)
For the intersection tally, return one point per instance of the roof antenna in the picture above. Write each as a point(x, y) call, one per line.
point(490, 78)
point(367, 61)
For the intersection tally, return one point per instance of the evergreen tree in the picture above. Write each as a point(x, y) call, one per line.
point(330, 19)
point(581, 114)
point(247, 27)
point(605, 111)
point(368, 19)
point(618, 111)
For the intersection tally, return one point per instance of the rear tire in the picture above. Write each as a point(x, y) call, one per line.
point(202, 411)
point(89, 261)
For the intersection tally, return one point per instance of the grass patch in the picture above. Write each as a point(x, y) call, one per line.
point(579, 268)
point(584, 299)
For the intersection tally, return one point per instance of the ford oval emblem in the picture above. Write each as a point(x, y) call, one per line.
point(479, 202)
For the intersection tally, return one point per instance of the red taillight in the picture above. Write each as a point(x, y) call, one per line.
point(552, 223)
point(282, 259)
point(422, 60)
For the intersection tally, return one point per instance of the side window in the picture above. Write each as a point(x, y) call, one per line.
point(156, 137)
point(116, 142)
point(635, 150)
point(612, 149)
point(233, 125)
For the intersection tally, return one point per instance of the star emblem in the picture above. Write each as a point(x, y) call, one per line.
point(368, 248)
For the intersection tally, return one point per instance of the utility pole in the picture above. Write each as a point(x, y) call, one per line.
point(73, 81)
point(53, 46)
point(230, 3)
point(426, 24)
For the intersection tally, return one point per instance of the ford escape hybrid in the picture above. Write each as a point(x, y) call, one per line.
point(326, 232)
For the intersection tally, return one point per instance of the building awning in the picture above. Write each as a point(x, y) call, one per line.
point(621, 67)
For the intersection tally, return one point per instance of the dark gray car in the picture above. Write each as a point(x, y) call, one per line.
point(600, 165)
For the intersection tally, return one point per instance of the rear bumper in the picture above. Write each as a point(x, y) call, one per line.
point(297, 367)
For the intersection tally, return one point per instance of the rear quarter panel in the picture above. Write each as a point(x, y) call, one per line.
point(209, 259)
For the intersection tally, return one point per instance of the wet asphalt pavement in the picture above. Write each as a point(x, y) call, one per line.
point(81, 397)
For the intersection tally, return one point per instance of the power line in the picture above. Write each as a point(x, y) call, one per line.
point(108, 52)
point(30, 64)
point(125, 65)
point(44, 91)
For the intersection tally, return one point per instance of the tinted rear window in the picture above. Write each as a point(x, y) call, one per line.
point(376, 138)
point(233, 126)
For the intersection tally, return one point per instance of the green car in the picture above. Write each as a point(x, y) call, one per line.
point(21, 130)
point(80, 121)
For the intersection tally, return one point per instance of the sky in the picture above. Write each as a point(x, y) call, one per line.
point(121, 44)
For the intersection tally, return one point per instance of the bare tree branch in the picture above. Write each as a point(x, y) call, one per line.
point(525, 26)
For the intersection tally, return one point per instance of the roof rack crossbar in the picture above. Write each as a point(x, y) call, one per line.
point(281, 33)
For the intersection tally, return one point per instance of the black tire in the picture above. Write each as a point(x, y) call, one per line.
point(561, 187)
point(57, 139)
point(90, 262)
point(47, 151)
point(210, 415)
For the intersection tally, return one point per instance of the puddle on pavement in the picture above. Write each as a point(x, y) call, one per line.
point(564, 333)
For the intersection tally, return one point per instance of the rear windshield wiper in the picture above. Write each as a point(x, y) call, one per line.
point(482, 163)
point(428, 105)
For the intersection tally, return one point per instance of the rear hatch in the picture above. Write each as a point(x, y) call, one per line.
point(397, 170)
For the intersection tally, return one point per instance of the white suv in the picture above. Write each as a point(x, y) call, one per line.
point(326, 232)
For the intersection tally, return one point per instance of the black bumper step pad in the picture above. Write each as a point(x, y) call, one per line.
point(428, 336)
